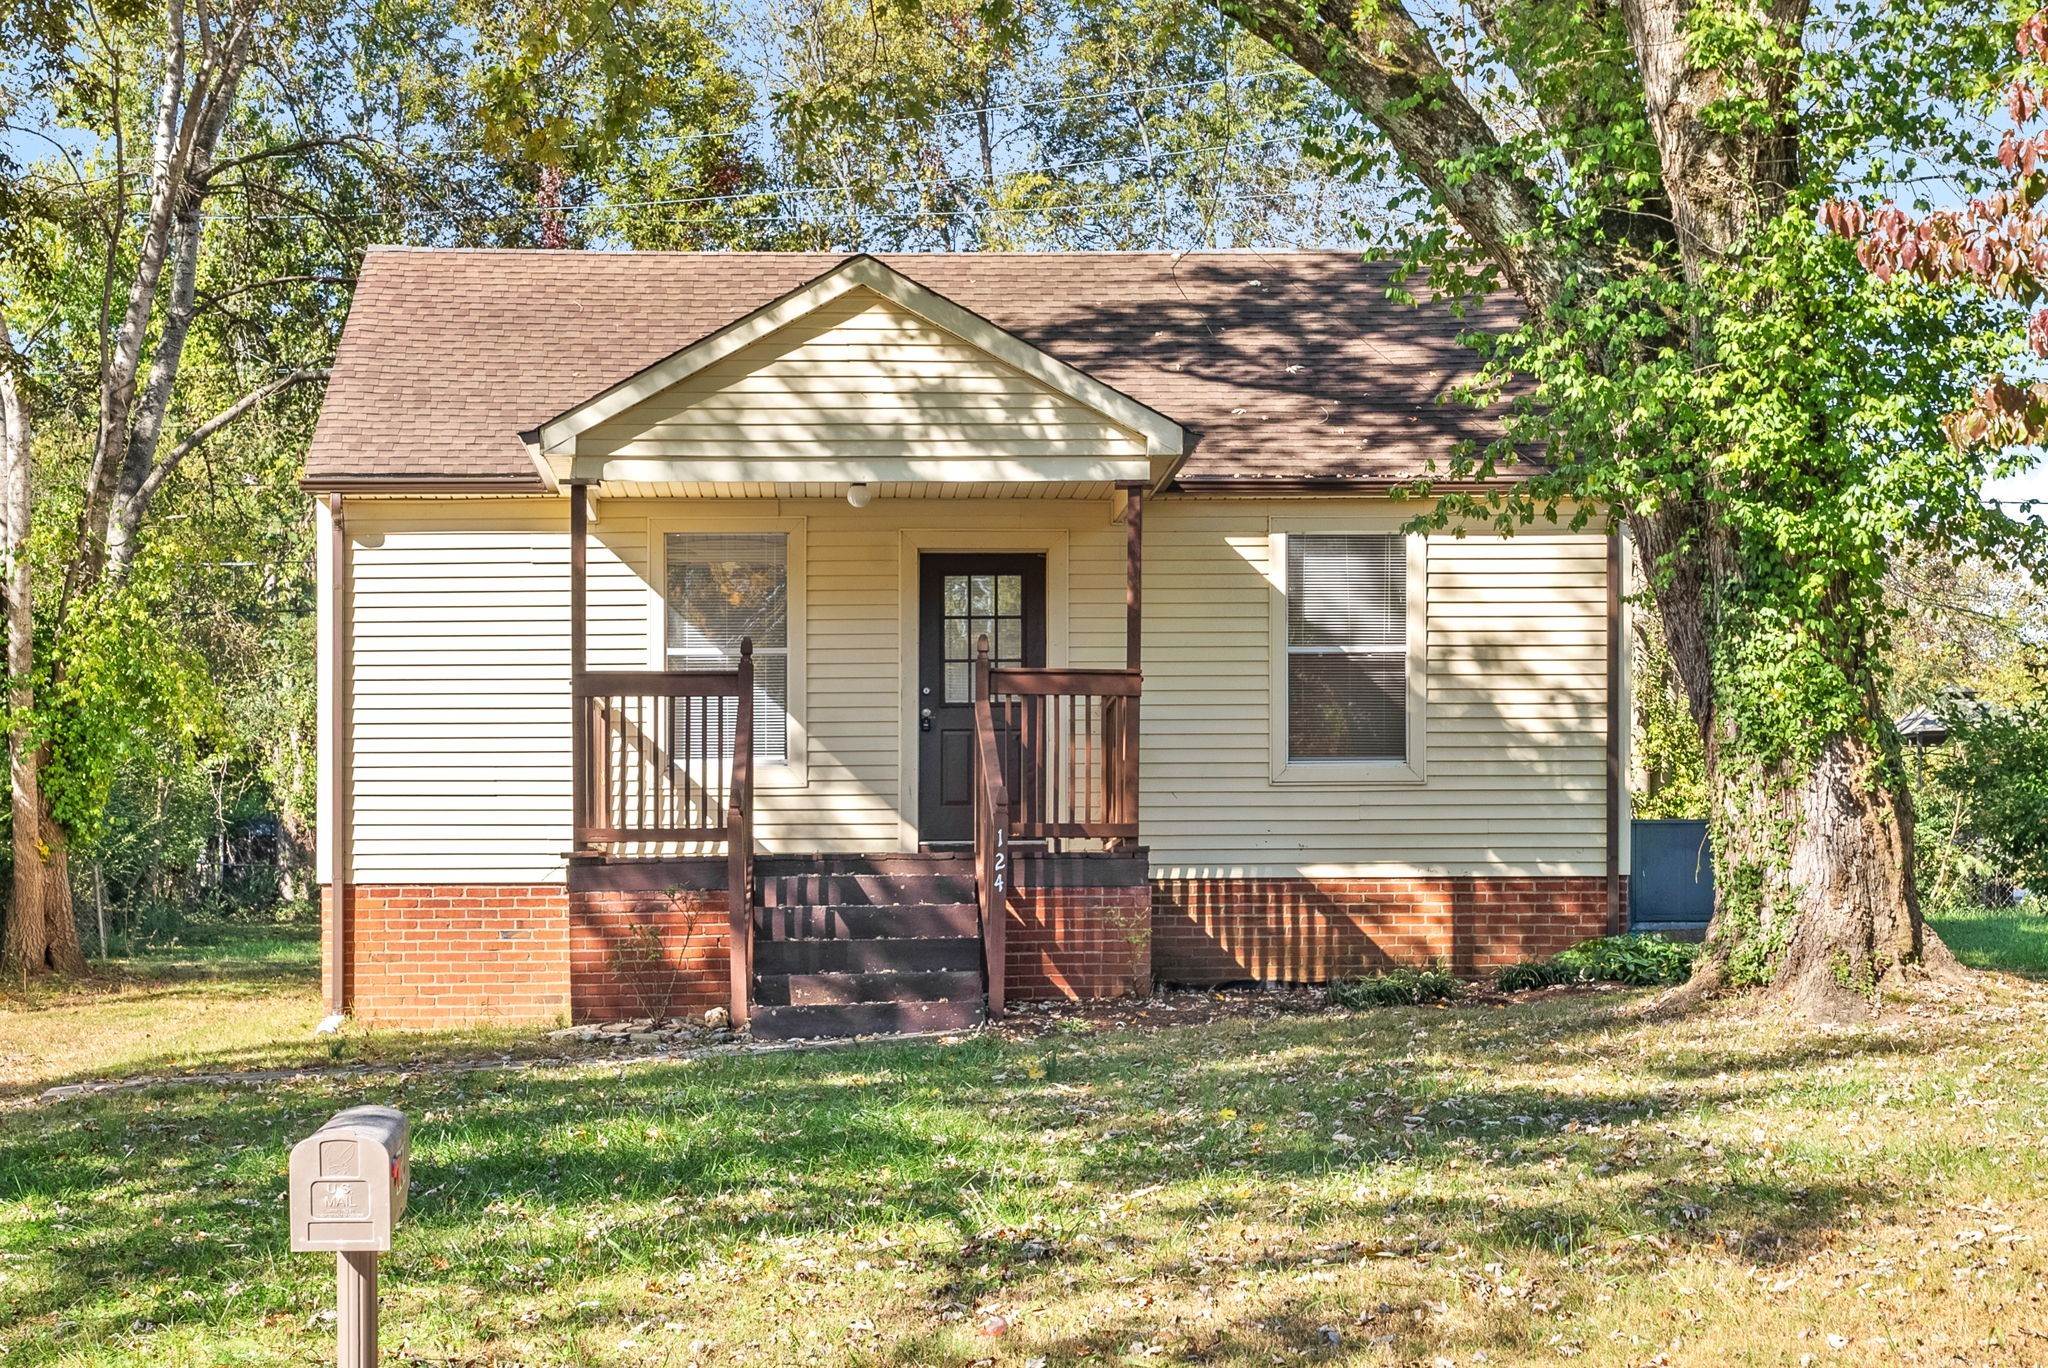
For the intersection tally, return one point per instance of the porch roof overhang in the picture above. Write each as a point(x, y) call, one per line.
point(554, 444)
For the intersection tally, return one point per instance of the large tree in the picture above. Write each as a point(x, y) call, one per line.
point(177, 82)
point(198, 182)
point(1702, 362)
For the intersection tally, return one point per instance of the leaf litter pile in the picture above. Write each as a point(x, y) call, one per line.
point(1563, 1179)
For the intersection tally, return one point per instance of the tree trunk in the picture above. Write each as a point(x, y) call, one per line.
point(25, 947)
point(1814, 897)
point(60, 916)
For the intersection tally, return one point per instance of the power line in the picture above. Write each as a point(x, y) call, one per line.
point(949, 115)
point(793, 192)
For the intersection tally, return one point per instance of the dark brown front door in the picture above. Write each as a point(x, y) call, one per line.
point(961, 599)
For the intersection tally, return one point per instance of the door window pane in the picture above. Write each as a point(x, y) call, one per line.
point(978, 606)
point(721, 588)
point(1347, 648)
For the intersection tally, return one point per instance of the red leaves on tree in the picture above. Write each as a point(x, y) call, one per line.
point(1999, 243)
point(2032, 39)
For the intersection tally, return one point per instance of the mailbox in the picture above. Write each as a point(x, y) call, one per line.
point(348, 1181)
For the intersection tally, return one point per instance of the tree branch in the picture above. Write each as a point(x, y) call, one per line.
point(1382, 64)
point(188, 129)
point(170, 350)
point(290, 149)
point(1564, 58)
point(206, 302)
point(128, 513)
point(117, 373)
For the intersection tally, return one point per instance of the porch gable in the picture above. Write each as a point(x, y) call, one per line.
point(862, 376)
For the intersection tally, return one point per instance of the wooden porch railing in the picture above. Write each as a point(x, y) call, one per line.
point(991, 835)
point(1071, 743)
point(668, 757)
point(1055, 760)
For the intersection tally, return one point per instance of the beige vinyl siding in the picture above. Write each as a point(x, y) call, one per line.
point(459, 704)
point(461, 663)
point(860, 379)
point(461, 707)
point(857, 697)
point(1515, 767)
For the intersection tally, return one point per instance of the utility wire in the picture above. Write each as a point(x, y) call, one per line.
point(790, 192)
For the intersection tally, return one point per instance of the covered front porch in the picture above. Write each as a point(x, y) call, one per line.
point(1016, 798)
point(876, 528)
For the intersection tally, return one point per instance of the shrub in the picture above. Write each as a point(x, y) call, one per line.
point(1644, 961)
point(1996, 764)
point(1395, 988)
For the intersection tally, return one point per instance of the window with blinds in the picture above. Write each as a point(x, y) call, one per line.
point(722, 587)
point(1347, 647)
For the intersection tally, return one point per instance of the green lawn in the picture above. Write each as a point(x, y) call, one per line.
point(213, 999)
point(2011, 938)
point(1548, 1182)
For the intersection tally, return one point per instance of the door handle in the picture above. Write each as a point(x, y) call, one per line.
point(924, 719)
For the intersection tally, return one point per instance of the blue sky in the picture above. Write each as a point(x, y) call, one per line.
point(2032, 485)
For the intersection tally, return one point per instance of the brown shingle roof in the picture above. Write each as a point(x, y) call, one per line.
point(1281, 365)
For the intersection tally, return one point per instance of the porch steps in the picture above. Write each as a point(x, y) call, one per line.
point(838, 990)
point(851, 945)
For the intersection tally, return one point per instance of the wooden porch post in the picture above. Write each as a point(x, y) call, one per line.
point(739, 843)
point(579, 725)
point(1134, 580)
point(1134, 647)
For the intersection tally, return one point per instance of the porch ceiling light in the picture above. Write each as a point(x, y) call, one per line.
point(859, 494)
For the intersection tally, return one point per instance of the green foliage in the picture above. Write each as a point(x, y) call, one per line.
point(1995, 768)
point(1954, 873)
point(125, 692)
point(1754, 922)
point(1670, 767)
point(1401, 987)
point(595, 101)
point(1077, 124)
point(1805, 418)
point(1977, 625)
point(1638, 960)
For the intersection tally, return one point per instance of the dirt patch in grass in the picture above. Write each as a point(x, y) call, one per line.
point(1202, 1006)
point(1174, 1007)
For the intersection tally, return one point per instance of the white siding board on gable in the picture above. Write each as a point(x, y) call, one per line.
point(859, 379)
point(460, 706)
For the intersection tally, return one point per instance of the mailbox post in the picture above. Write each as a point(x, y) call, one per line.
point(348, 1185)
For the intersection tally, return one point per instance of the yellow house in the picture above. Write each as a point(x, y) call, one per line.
point(858, 643)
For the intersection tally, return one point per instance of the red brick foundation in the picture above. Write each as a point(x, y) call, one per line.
point(446, 955)
point(648, 953)
point(1079, 927)
point(1297, 930)
point(642, 942)
point(427, 955)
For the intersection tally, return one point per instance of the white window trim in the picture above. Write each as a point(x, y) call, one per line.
point(1414, 769)
point(795, 772)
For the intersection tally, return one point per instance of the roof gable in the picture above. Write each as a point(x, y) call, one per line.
point(827, 327)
